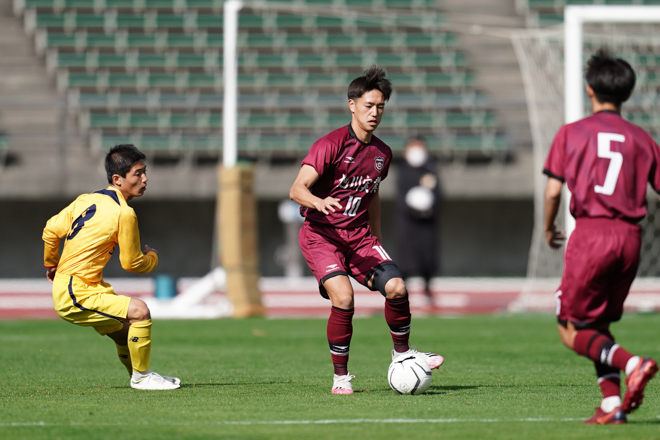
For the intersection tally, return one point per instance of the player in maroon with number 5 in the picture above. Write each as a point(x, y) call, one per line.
point(337, 188)
point(606, 163)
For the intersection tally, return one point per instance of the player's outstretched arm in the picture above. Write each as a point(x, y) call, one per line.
point(301, 194)
point(553, 237)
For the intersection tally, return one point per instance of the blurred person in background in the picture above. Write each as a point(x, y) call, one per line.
point(418, 201)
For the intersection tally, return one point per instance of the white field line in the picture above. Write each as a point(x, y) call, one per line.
point(296, 422)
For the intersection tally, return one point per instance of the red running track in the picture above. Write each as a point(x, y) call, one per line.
point(31, 299)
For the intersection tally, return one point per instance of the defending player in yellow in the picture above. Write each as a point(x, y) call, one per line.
point(91, 227)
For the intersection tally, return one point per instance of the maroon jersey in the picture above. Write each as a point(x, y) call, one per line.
point(350, 171)
point(606, 163)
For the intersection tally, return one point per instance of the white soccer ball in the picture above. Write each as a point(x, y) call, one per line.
point(409, 375)
point(420, 198)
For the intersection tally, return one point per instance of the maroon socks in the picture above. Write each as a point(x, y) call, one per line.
point(397, 316)
point(340, 330)
point(600, 347)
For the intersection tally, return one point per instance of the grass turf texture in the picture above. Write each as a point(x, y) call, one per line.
point(271, 379)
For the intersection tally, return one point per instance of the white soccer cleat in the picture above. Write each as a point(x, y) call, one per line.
point(342, 384)
point(154, 381)
point(434, 360)
point(174, 380)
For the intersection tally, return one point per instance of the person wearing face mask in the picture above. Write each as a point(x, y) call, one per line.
point(418, 201)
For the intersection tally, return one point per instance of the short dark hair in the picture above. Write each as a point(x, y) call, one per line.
point(120, 159)
point(612, 79)
point(374, 78)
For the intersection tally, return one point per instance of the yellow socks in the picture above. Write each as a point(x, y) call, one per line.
point(125, 357)
point(139, 344)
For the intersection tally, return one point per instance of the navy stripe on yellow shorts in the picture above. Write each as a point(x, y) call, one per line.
point(75, 303)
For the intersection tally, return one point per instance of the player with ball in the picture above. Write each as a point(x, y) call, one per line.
point(337, 188)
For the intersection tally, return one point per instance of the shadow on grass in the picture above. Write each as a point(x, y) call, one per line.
point(644, 422)
point(432, 390)
point(198, 385)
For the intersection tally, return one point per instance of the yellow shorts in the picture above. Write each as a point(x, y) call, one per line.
point(89, 304)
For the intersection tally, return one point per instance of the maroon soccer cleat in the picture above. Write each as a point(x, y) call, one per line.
point(615, 417)
point(636, 382)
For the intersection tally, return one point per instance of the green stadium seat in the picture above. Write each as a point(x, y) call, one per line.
point(285, 121)
point(641, 60)
point(72, 20)
point(155, 67)
point(134, 60)
point(100, 5)
point(376, 4)
point(161, 40)
point(213, 60)
point(484, 143)
point(294, 143)
point(334, 102)
point(648, 121)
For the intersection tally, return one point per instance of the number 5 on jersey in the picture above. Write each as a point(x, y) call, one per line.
point(616, 161)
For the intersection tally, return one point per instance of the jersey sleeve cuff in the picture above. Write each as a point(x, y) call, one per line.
point(548, 173)
point(305, 162)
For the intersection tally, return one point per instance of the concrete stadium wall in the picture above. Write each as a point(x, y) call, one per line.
point(478, 237)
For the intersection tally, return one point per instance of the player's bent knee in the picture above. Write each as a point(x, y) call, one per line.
point(138, 311)
point(342, 300)
point(387, 279)
point(395, 288)
point(344, 304)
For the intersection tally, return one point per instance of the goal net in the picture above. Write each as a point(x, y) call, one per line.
point(542, 54)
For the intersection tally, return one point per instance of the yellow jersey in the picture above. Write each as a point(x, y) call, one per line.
point(91, 226)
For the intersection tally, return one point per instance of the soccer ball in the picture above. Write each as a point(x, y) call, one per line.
point(409, 375)
point(420, 198)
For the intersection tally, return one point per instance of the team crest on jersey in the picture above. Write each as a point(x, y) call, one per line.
point(380, 163)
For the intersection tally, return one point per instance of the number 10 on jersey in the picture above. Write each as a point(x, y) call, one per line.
point(352, 206)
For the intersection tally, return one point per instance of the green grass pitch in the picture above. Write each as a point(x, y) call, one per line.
point(504, 377)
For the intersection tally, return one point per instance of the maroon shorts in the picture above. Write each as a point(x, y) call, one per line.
point(333, 251)
point(601, 262)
